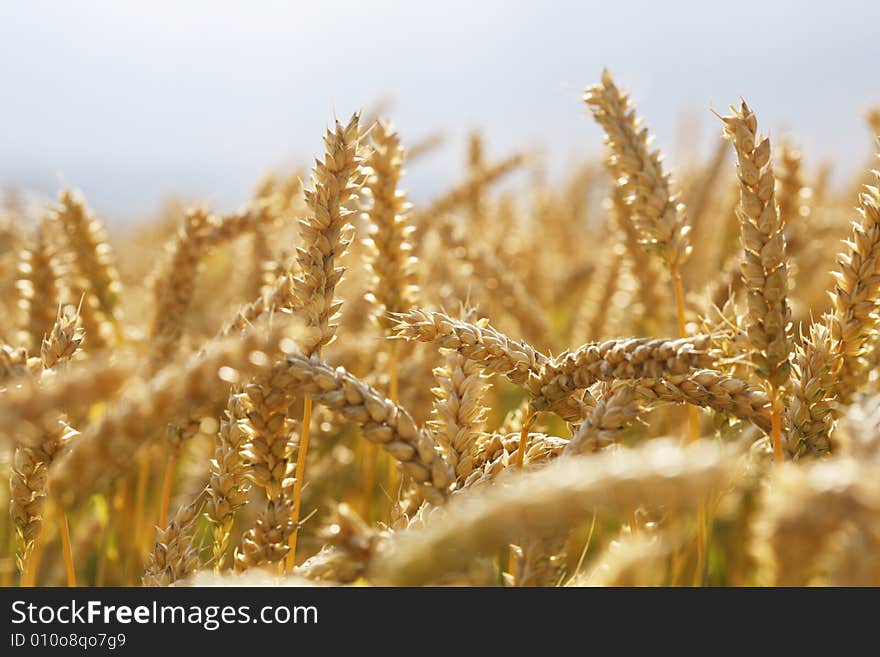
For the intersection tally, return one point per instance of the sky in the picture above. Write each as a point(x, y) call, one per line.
point(133, 101)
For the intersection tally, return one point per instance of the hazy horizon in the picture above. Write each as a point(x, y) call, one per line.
point(132, 102)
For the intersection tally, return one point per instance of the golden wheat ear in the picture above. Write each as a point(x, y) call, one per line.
point(554, 497)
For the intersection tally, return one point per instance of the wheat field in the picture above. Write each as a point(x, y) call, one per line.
point(633, 376)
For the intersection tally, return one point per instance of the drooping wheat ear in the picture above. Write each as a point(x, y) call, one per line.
point(93, 257)
point(228, 484)
point(494, 351)
point(802, 509)
point(266, 542)
point(459, 195)
point(497, 353)
point(614, 360)
point(616, 406)
point(28, 478)
point(391, 262)
point(853, 319)
point(175, 556)
point(63, 340)
point(764, 266)
point(459, 413)
point(37, 284)
point(713, 390)
point(381, 421)
point(175, 287)
point(553, 498)
point(350, 545)
point(325, 232)
point(811, 405)
point(107, 447)
point(499, 451)
point(656, 211)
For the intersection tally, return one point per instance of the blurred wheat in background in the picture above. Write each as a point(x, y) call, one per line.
point(632, 374)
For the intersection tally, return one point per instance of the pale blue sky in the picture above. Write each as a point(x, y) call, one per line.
point(133, 100)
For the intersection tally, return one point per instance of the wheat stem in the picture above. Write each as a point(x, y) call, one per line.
point(168, 483)
point(301, 455)
point(65, 547)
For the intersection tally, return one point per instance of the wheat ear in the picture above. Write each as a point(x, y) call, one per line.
point(616, 406)
point(391, 262)
point(614, 360)
point(459, 413)
point(93, 257)
point(63, 340)
point(813, 390)
point(37, 284)
point(228, 484)
point(764, 267)
point(853, 319)
point(802, 508)
point(324, 236)
point(656, 211)
point(558, 496)
point(175, 555)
